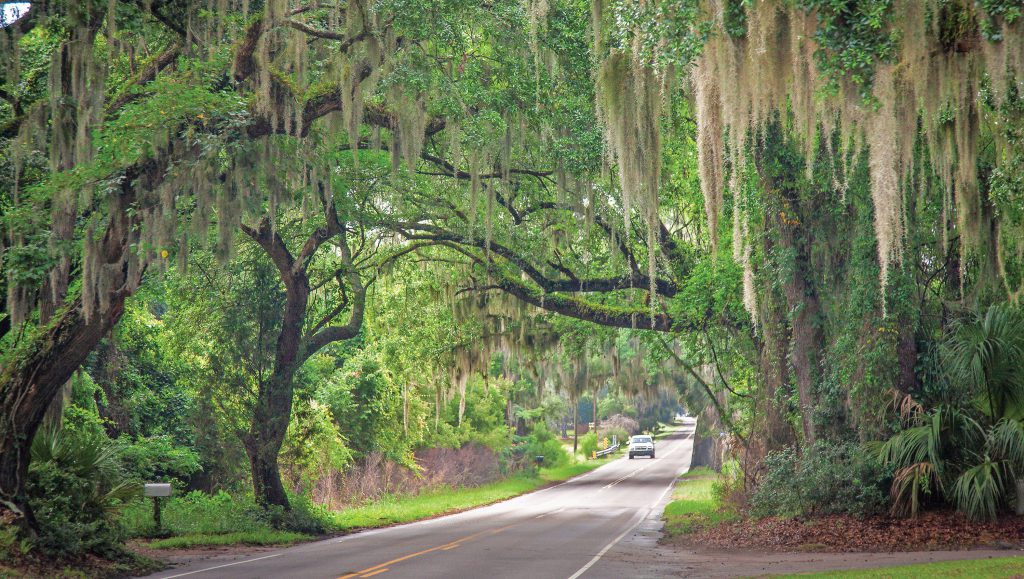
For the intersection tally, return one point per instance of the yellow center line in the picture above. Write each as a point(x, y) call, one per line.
point(370, 571)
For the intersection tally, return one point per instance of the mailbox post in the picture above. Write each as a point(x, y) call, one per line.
point(156, 490)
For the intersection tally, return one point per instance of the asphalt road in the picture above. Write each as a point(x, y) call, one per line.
point(574, 529)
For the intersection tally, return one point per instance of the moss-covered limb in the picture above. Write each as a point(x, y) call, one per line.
point(451, 170)
point(664, 287)
point(588, 311)
point(129, 93)
point(519, 216)
point(723, 415)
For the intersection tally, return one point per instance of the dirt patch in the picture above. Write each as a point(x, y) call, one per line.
point(182, 557)
point(844, 534)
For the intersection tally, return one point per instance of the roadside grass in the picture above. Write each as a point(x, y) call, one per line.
point(261, 537)
point(199, 520)
point(973, 568)
point(396, 510)
point(694, 505)
point(667, 429)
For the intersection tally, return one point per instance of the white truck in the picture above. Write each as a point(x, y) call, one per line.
point(641, 445)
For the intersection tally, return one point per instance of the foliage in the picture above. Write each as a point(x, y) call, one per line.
point(158, 459)
point(77, 486)
point(970, 456)
point(828, 478)
point(695, 504)
point(542, 442)
point(985, 353)
point(588, 444)
point(198, 513)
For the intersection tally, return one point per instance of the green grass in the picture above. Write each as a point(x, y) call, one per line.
point(261, 537)
point(393, 511)
point(977, 568)
point(667, 429)
point(196, 519)
point(694, 505)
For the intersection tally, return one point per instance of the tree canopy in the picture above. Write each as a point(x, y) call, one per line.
point(786, 212)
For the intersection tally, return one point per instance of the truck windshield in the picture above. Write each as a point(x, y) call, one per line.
point(641, 439)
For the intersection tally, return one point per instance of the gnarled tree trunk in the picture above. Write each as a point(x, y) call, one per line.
point(272, 412)
point(35, 375)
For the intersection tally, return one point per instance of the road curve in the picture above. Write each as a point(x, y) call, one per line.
point(563, 531)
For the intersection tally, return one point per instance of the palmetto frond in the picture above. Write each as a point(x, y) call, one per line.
point(981, 489)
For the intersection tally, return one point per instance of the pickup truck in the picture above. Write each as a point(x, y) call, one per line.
point(641, 445)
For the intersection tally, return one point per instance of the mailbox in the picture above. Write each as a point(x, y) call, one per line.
point(156, 490)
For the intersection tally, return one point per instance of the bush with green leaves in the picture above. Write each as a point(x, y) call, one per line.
point(76, 486)
point(198, 513)
point(827, 478)
point(159, 459)
point(607, 435)
point(969, 452)
point(542, 442)
point(588, 444)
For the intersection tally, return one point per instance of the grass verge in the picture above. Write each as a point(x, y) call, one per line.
point(975, 568)
point(197, 520)
point(393, 511)
point(694, 505)
point(261, 537)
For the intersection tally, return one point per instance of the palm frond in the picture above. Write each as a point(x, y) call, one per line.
point(909, 485)
point(980, 490)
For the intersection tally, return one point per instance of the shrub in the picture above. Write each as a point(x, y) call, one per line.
point(829, 478)
point(621, 422)
point(76, 485)
point(158, 458)
point(728, 488)
point(605, 435)
point(588, 444)
point(198, 512)
point(543, 443)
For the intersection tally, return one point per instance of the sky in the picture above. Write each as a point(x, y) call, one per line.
point(12, 11)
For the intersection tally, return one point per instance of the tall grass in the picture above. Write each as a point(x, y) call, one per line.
point(695, 504)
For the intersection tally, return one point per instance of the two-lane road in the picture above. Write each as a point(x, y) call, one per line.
point(560, 532)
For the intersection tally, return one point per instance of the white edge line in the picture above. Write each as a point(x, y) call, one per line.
point(225, 565)
point(607, 547)
point(615, 541)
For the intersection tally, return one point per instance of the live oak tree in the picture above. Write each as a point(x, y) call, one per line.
point(800, 194)
point(154, 129)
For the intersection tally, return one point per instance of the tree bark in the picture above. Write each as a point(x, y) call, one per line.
point(575, 428)
point(779, 172)
point(34, 376)
point(272, 412)
point(31, 384)
point(273, 408)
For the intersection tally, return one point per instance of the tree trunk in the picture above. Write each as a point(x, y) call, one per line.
point(31, 380)
point(575, 428)
point(30, 385)
point(266, 476)
point(273, 409)
point(780, 171)
point(906, 352)
point(774, 367)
